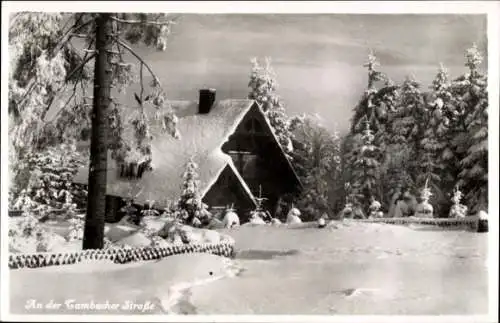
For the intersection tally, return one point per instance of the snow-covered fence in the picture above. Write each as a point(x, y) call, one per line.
point(469, 222)
point(118, 255)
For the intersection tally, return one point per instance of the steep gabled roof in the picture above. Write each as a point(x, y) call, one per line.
point(202, 136)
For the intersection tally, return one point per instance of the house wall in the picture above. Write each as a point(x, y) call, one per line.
point(227, 190)
point(264, 168)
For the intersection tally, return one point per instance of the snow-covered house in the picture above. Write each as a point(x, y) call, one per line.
point(234, 146)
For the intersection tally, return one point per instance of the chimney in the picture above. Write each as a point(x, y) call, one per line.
point(207, 99)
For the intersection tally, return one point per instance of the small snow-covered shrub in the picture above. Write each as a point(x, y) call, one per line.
point(425, 209)
point(75, 229)
point(457, 210)
point(293, 216)
point(374, 209)
point(231, 219)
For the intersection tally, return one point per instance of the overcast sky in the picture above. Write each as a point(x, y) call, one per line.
point(318, 58)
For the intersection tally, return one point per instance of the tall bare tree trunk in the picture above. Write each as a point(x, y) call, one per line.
point(96, 205)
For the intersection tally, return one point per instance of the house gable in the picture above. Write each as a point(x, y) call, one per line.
point(254, 136)
point(260, 159)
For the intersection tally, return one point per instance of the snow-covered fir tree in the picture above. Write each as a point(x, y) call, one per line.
point(366, 169)
point(437, 161)
point(263, 87)
point(190, 205)
point(317, 158)
point(50, 181)
point(437, 138)
point(409, 124)
point(394, 173)
point(474, 165)
point(376, 105)
point(368, 108)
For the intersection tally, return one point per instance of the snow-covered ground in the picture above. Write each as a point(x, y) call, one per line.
point(349, 268)
point(356, 269)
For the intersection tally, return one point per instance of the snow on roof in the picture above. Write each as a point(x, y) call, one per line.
point(201, 137)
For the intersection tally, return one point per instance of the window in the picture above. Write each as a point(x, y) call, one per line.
point(134, 170)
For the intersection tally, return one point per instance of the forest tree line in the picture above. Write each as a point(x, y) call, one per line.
point(400, 136)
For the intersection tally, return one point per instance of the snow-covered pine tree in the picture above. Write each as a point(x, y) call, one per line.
point(373, 111)
point(50, 182)
point(437, 160)
point(190, 206)
point(263, 87)
point(45, 62)
point(394, 173)
point(317, 158)
point(367, 108)
point(366, 169)
point(474, 96)
point(441, 116)
point(408, 125)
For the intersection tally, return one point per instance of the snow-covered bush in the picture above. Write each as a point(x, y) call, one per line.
point(293, 216)
point(149, 210)
point(375, 211)
point(424, 208)
point(231, 219)
point(457, 210)
point(321, 223)
point(75, 229)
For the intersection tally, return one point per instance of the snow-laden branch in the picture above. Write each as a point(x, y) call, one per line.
point(127, 47)
point(85, 60)
point(64, 38)
point(143, 22)
point(84, 36)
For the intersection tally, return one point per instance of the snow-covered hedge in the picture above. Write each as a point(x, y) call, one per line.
point(120, 256)
point(470, 222)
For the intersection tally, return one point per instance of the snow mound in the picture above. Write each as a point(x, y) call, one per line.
point(135, 240)
point(154, 223)
point(30, 244)
point(118, 231)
